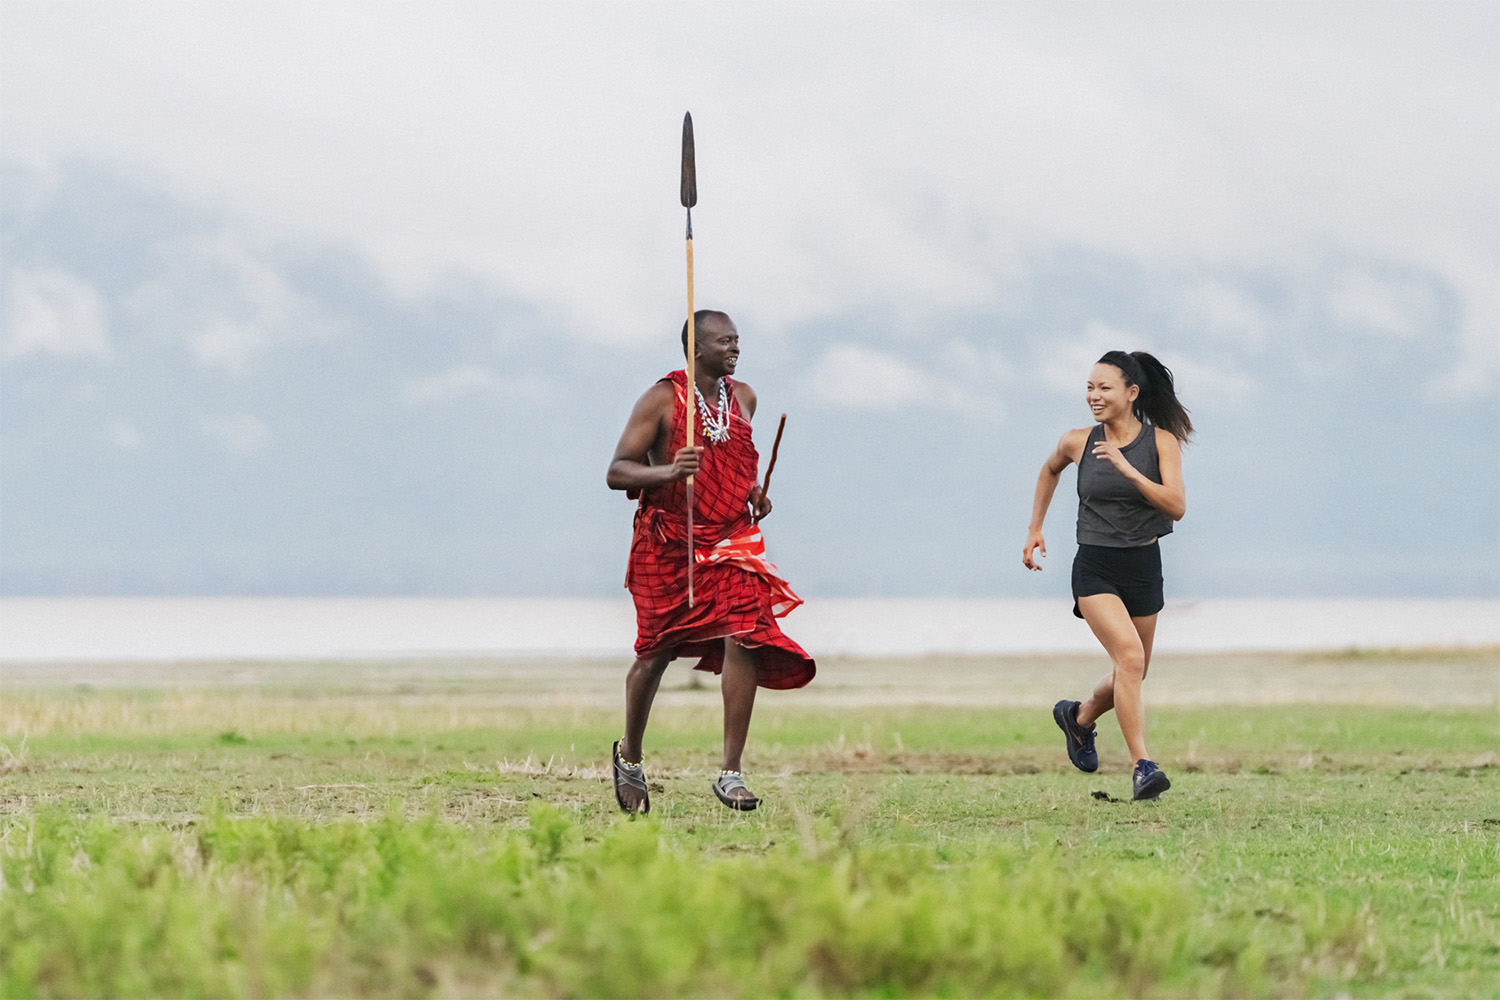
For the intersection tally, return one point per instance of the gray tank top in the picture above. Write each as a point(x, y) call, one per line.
point(1111, 511)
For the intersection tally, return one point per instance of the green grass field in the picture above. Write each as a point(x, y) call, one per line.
point(448, 829)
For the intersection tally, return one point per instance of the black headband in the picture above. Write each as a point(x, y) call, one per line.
point(1134, 373)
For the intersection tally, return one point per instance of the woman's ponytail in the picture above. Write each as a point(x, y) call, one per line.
point(1157, 400)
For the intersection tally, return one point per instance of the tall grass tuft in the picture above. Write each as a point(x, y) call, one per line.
point(276, 907)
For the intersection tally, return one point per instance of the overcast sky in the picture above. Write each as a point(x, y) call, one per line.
point(354, 298)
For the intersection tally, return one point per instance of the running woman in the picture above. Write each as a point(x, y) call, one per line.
point(1129, 492)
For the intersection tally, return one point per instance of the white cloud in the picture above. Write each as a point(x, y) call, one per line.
point(224, 343)
point(850, 376)
point(462, 381)
point(983, 367)
point(1395, 308)
point(226, 301)
point(125, 435)
point(53, 312)
point(856, 377)
point(899, 161)
point(1223, 311)
point(240, 434)
point(1209, 381)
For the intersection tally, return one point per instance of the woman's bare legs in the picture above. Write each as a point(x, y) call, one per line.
point(1128, 642)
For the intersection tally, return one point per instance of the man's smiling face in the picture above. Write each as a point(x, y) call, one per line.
point(718, 344)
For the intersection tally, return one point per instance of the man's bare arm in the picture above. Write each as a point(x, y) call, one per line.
point(633, 466)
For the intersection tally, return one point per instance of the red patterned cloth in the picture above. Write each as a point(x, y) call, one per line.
point(736, 592)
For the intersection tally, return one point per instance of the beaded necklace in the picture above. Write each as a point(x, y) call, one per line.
point(716, 430)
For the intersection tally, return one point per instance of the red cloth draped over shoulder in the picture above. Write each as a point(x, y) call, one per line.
point(736, 593)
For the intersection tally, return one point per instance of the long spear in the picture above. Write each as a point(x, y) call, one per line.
point(689, 199)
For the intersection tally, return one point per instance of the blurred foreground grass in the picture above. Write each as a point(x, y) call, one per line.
point(323, 837)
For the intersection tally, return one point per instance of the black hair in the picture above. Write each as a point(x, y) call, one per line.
point(698, 318)
point(1158, 400)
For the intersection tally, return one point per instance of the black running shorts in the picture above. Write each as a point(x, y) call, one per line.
point(1133, 575)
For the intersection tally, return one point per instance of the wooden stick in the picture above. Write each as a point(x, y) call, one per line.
point(765, 484)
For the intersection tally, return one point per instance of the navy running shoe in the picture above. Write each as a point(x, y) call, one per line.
point(1149, 781)
point(1080, 740)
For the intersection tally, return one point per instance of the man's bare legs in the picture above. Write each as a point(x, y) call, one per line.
point(640, 692)
point(1128, 642)
point(738, 684)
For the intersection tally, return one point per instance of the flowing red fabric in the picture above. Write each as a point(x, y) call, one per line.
point(736, 592)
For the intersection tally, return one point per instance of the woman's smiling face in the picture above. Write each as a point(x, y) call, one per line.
point(1109, 396)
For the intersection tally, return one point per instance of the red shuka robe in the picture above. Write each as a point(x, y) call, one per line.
point(736, 592)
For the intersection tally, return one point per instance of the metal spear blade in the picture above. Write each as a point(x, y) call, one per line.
point(689, 167)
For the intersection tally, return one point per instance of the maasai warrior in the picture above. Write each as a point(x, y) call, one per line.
point(731, 628)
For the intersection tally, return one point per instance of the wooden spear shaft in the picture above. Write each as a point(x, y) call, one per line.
point(689, 199)
point(692, 384)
